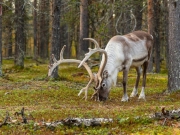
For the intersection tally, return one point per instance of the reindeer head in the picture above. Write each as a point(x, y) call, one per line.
point(102, 88)
point(102, 91)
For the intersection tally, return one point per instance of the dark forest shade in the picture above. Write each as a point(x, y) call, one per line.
point(0, 39)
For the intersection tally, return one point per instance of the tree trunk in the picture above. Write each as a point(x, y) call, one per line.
point(8, 28)
point(157, 39)
point(84, 29)
point(35, 30)
point(10, 31)
point(151, 29)
point(43, 29)
point(111, 27)
point(1, 38)
point(166, 24)
point(174, 46)
point(64, 40)
point(138, 14)
point(69, 43)
point(19, 34)
point(56, 34)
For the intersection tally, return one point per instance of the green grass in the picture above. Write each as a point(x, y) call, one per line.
point(52, 100)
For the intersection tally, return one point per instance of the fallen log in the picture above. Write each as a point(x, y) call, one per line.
point(174, 114)
point(77, 122)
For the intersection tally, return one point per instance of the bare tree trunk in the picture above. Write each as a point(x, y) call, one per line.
point(64, 40)
point(56, 34)
point(19, 34)
point(111, 24)
point(111, 28)
point(1, 38)
point(76, 39)
point(43, 29)
point(174, 46)
point(10, 41)
point(166, 24)
point(138, 15)
point(69, 43)
point(35, 30)
point(8, 29)
point(157, 39)
point(84, 29)
point(151, 29)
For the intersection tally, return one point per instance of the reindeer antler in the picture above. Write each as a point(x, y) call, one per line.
point(61, 55)
point(62, 60)
point(62, 51)
point(91, 52)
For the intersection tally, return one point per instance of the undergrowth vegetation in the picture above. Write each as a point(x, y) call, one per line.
point(51, 100)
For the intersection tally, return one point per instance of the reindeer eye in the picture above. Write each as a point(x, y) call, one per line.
point(103, 85)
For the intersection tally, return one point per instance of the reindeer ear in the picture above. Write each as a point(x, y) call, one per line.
point(105, 74)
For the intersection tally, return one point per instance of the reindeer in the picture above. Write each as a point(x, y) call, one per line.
point(121, 53)
point(62, 60)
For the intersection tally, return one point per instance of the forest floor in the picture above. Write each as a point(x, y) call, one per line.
point(45, 100)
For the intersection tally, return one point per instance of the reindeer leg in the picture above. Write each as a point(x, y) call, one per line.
point(125, 76)
point(142, 94)
point(135, 89)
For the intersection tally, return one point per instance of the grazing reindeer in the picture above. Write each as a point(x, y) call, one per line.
point(121, 53)
point(62, 60)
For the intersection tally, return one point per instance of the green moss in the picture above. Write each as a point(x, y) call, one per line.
point(52, 100)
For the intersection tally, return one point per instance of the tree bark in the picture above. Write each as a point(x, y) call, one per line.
point(151, 29)
point(166, 24)
point(43, 29)
point(174, 46)
point(8, 28)
point(84, 29)
point(56, 34)
point(19, 34)
point(64, 37)
point(157, 39)
point(138, 14)
point(35, 29)
point(1, 38)
point(10, 31)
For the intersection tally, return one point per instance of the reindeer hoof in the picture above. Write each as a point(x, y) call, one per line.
point(142, 94)
point(133, 94)
point(142, 97)
point(125, 99)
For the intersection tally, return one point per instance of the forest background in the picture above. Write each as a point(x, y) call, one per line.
point(32, 30)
